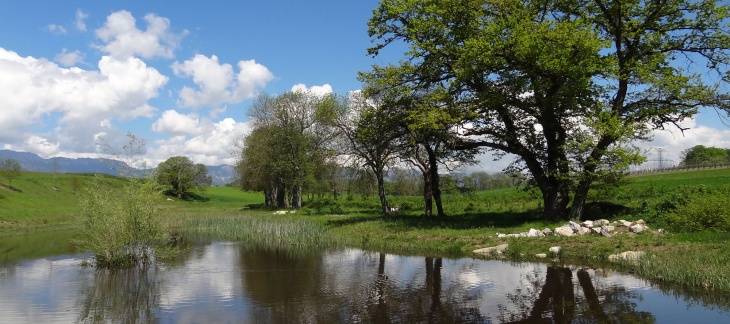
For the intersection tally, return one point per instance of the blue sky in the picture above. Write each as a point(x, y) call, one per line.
point(181, 74)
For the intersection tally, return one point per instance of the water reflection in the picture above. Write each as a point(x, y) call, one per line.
point(231, 282)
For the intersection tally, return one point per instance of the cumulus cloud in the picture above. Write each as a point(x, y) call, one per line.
point(32, 89)
point(214, 146)
point(123, 39)
point(80, 20)
point(317, 90)
point(173, 123)
point(217, 83)
point(673, 141)
point(67, 58)
point(37, 145)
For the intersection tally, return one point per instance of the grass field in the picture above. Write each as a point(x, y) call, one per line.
point(696, 259)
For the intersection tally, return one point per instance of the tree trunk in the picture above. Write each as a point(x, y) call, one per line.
point(296, 196)
point(433, 169)
point(427, 194)
point(555, 199)
point(381, 191)
point(579, 200)
point(281, 201)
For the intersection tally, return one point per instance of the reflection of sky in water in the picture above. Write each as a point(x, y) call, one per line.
point(209, 286)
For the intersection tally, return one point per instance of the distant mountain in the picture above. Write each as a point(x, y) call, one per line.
point(221, 174)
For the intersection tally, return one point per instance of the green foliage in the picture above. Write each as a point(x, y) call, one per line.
point(568, 94)
point(700, 155)
point(178, 175)
point(122, 229)
point(10, 169)
point(696, 209)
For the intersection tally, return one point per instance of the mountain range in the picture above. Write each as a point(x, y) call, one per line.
point(221, 174)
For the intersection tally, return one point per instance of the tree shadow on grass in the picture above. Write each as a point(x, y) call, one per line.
point(11, 188)
point(459, 221)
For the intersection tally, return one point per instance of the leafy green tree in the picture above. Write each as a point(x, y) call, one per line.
point(202, 179)
point(177, 175)
point(10, 169)
point(565, 86)
point(372, 136)
point(289, 140)
point(702, 155)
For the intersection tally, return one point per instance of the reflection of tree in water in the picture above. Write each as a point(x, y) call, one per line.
point(304, 288)
point(418, 302)
point(561, 300)
point(120, 296)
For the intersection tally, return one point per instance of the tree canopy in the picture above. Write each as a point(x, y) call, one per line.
point(565, 86)
point(178, 175)
point(10, 169)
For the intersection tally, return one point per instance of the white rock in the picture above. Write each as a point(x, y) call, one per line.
point(280, 212)
point(501, 235)
point(583, 231)
point(555, 249)
point(547, 231)
point(588, 224)
point(574, 226)
point(605, 231)
point(596, 230)
point(564, 231)
point(601, 222)
point(541, 255)
point(609, 228)
point(534, 233)
point(625, 223)
point(637, 228)
point(499, 249)
point(640, 221)
point(628, 256)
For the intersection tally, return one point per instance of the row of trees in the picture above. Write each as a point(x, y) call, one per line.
point(700, 155)
point(563, 86)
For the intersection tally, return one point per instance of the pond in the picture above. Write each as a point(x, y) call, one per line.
point(226, 282)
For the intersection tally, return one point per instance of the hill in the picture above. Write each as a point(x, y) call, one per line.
point(221, 174)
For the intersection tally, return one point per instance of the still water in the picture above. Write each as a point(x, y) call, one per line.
point(223, 282)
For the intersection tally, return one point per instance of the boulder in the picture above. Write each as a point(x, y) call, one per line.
point(564, 231)
point(601, 222)
point(588, 224)
point(583, 231)
point(605, 231)
point(625, 223)
point(555, 250)
point(541, 255)
point(574, 226)
point(499, 249)
point(637, 228)
point(547, 231)
point(534, 233)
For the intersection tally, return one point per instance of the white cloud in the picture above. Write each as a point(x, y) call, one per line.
point(32, 89)
point(80, 17)
point(217, 83)
point(214, 146)
point(173, 123)
point(57, 29)
point(317, 90)
point(123, 39)
point(36, 144)
point(67, 58)
point(673, 141)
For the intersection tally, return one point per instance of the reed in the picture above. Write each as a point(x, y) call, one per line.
point(260, 229)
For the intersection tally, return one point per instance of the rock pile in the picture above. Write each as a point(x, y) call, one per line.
point(597, 227)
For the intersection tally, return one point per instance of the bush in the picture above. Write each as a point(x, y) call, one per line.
point(121, 227)
point(696, 208)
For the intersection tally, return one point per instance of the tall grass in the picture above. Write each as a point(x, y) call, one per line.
point(701, 268)
point(269, 231)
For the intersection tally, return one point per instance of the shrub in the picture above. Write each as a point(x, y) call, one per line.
point(121, 227)
point(695, 208)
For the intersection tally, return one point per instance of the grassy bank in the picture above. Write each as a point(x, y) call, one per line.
point(690, 258)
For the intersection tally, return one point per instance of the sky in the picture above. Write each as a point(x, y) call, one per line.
point(77, 76)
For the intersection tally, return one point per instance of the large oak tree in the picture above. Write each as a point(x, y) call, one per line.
point(564, 85)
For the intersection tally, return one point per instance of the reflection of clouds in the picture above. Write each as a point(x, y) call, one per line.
point(39, 290)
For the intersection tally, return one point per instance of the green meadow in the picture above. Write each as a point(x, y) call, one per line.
point(689, 205)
